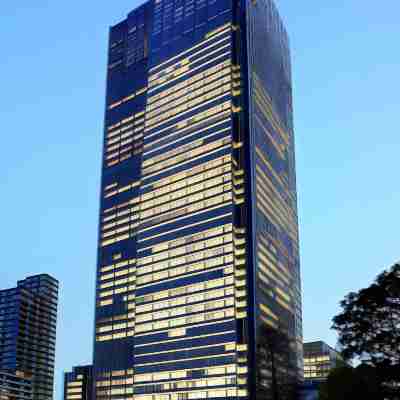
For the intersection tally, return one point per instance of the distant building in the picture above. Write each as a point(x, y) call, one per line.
point(15, 387)
point(78, 383)
point(28, 318)
point(319, 359)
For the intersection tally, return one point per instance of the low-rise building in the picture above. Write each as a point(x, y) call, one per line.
point(78, 383)
point(319, 360)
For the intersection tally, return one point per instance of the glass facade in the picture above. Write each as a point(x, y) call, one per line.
point(277, 313)
point(15, 387)
point(28, 318)
point(198, 271)
point(319, 359)
point(78, 384)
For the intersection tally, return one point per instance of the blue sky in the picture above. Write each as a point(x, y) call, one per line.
point(346, 88)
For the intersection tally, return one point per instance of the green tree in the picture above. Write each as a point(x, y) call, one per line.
point(369, 329)
point(348, 383)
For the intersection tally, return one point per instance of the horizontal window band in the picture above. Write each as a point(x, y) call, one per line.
point(196, 112)
point(153, 70)
point(175, 283)
point(223, 53)
point(183, 241)
point(203, 121)
point(191, 92)
point(216, 220)
point(182, 339)
point(187, 289)
point(188, 275)
point(208, 78)
point(137, 358)
point(181, 166)
point(188, 359)
point(184, 220)
point(202, 182)
point(224, 194)
point(206, 142)
point(193, 134)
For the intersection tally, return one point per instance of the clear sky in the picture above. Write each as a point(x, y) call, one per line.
point(346, 64)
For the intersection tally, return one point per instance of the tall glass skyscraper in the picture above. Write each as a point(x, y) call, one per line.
point(198, 280)
point(28, 320)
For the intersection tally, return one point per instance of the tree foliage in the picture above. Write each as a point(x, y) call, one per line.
point(347, 383)
point(369, 328)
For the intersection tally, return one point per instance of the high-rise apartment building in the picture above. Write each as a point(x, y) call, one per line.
point(28, 318)
point(78, 384)
point(198, 281)
point(14, 387)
